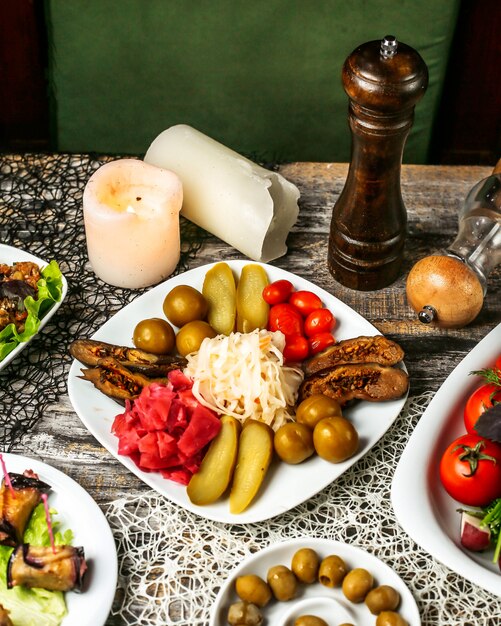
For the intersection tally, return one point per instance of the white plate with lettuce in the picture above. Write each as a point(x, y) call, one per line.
point(51, 291)
point(80, 522)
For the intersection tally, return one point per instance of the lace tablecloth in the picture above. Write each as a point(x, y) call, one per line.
point(172, 562)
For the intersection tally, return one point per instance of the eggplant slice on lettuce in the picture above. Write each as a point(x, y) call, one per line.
point(16, 508)
point(61, 568)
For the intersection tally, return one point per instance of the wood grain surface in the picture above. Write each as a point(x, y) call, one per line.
point(432, 195)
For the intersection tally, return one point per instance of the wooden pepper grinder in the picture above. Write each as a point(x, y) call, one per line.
point(384, 80)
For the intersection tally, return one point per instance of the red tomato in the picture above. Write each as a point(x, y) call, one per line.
point(284, 317)
point(470, 470)
point(320, 341)
point(277, 292)
point(296, 348)
point(497, 365)
point(319, 321)
point(480, 400)
point(305, 302)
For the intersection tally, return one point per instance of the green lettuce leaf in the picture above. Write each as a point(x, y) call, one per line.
point(34, 607)
point(50, 290)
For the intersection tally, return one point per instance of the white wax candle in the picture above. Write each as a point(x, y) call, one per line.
point(248, 206)
point(131, 215)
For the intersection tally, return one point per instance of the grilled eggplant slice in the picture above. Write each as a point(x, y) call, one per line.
point(116, 381)
point(16, 509)
point(377, 349)
point(58, 569)
point(90, 352)
point(4, 617)
point(354, 381)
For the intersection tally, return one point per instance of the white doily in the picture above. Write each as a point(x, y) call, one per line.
point(172, 562)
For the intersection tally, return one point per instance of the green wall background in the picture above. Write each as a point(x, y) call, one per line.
point(261, 76)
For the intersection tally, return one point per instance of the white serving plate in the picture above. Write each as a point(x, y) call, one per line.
point(424, 509)
point(315, 599)
point(78, 511)
point(10, 255)
point(285, 485)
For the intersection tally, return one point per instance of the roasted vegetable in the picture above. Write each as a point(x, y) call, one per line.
point(90, 352)
point(252, 310)
point(216, 470)
point(220, 291)
point(357, 381)
point(116, 381)
point(254, 457)
point(56, 569)
point(16, 508)
point(377, 349)
point(4, 617)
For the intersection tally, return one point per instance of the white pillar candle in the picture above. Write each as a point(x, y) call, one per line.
point(131, 214)
point(245, 205)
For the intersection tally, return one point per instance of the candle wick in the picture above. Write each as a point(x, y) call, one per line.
point(49, 522)
point(7, 477)
point(138, 198)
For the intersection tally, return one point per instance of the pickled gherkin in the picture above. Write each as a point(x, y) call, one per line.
point(219, 289)
point(252, 310)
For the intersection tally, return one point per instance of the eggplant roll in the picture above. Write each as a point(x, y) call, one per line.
point(16, 508)
point(39, 566)
point(4, 617)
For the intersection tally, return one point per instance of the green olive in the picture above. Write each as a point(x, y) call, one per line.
point(310, 620)
point(184, 304)
point(154, 335)
point(332, 571)
point(305, 564)
point(293, 443)
point(390, 618)
point(316, 407)
point(357, 584)
point(383, 598)
point(252, 588)
point(244, 614)
point(335, 439)
point(189, 338)
point(283, 583)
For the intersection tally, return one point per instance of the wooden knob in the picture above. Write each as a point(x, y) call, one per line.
point(444, 291)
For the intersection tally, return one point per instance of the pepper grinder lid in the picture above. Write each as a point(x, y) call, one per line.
point(385, 75)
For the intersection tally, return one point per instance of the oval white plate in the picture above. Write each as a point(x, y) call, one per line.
point(285, 485)
point(336, 608)
point(10, 255)
point(424, 509)
point(78, 511)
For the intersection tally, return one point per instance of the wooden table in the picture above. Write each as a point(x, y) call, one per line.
point(432, 195)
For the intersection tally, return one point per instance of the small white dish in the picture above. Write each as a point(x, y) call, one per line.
point(423, 508)
point(332, 605)
point(10, 255)
point(285, 485)
point(78, 511)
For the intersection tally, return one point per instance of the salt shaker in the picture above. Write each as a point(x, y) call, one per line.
point(383, 80)
point(448, 290)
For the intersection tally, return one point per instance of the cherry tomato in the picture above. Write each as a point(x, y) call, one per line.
point(497, 365)
point(320, 341)
point(286, 318)
point(470, 470)
point(277, 292)
point(480, 400)
point(305, 302)
point(296, 348)
point(319, 321)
